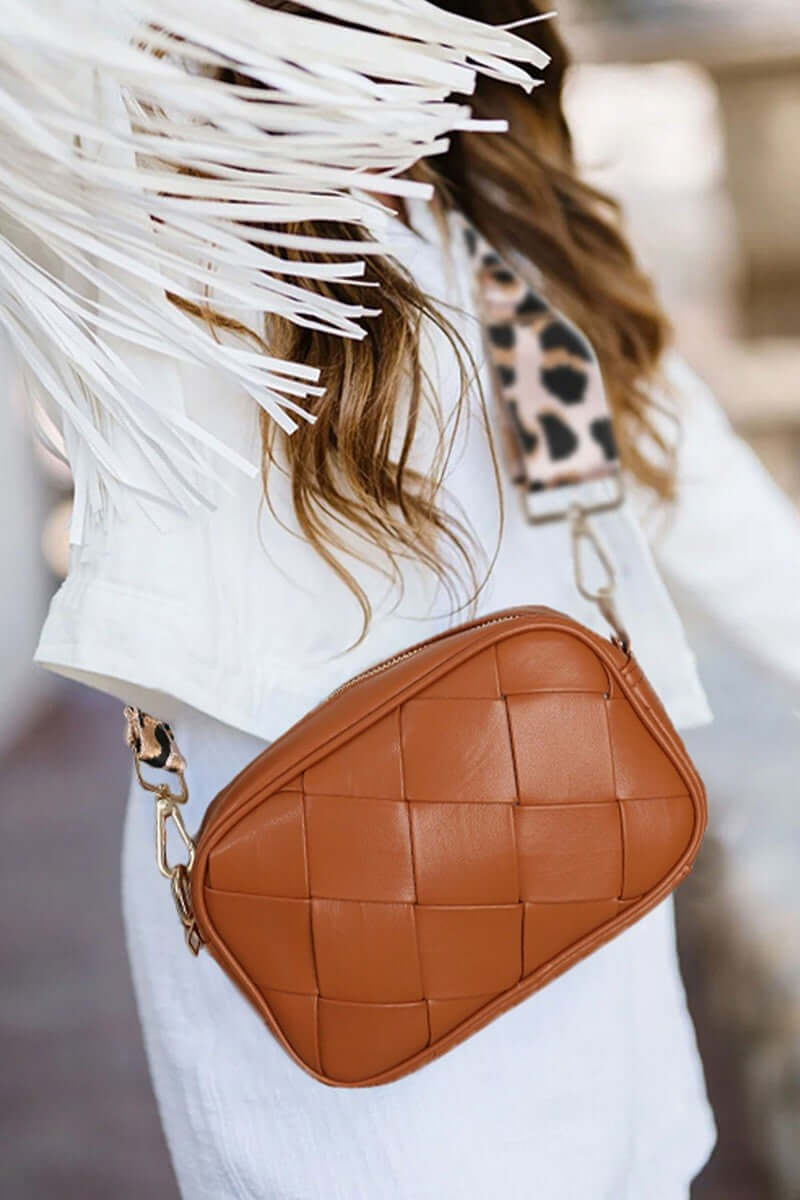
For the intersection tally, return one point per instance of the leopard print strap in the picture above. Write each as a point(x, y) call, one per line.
point(555, 417)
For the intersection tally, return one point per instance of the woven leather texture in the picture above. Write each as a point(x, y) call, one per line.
point(475, 838)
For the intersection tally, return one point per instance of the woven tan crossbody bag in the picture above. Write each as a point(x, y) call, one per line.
point(449, 831)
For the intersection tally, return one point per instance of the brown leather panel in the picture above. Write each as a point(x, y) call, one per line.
point(550, 927)
point(270, 937)
point(464, 853)
point(655, 832)
point(445, 1015)
point(569, 851)
point(359, 849)
point(359, 1041)
point(475, 817)
point(297, 1017)
point(457, 750)
point(468, 949)
point(366, 951)
point(561, 748)
point(266, 844)
point(544, 661)
point(369, 765)
point(476, 679)
point(639, 769)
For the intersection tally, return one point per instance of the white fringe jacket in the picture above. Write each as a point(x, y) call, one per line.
point(182, 583)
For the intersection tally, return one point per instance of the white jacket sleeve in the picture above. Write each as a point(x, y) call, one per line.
point(732, 539)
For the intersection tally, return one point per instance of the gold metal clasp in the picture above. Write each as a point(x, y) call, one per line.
point(152, 742)
point(179, 874)
point(602, 494)
point(583, 535)
point(167, 810)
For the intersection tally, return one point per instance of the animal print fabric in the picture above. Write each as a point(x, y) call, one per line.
point(152, 741)
point(555, 417)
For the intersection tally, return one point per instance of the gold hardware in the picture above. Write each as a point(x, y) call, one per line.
point(181, 894)
point(582, 533)
point(531, 499)
point(167, 809)
point(161, 789)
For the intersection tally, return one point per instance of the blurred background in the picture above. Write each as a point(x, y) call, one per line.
point(689, 110)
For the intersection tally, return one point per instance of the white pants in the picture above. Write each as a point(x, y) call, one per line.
point(589, 1090)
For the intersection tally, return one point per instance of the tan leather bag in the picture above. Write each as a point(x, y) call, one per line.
point(443, 836)
point(460, 824)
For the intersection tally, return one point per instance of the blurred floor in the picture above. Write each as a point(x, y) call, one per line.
point(77, 1117)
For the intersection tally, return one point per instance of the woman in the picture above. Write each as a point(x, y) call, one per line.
point(384, 521)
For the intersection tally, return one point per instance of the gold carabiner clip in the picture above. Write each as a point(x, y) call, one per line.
point(582, 533)
point(152, 743)
point(167, 810)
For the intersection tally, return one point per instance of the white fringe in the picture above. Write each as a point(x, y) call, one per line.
point(103, 106)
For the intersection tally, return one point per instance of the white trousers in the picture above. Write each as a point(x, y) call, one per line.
point(589, 1090)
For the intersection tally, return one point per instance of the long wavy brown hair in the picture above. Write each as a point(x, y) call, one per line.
point(351, 470)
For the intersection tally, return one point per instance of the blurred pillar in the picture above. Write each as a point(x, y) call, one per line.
point(760, 106)
point(753, 55)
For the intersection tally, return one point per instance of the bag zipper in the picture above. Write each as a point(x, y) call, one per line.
point(390, 662)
